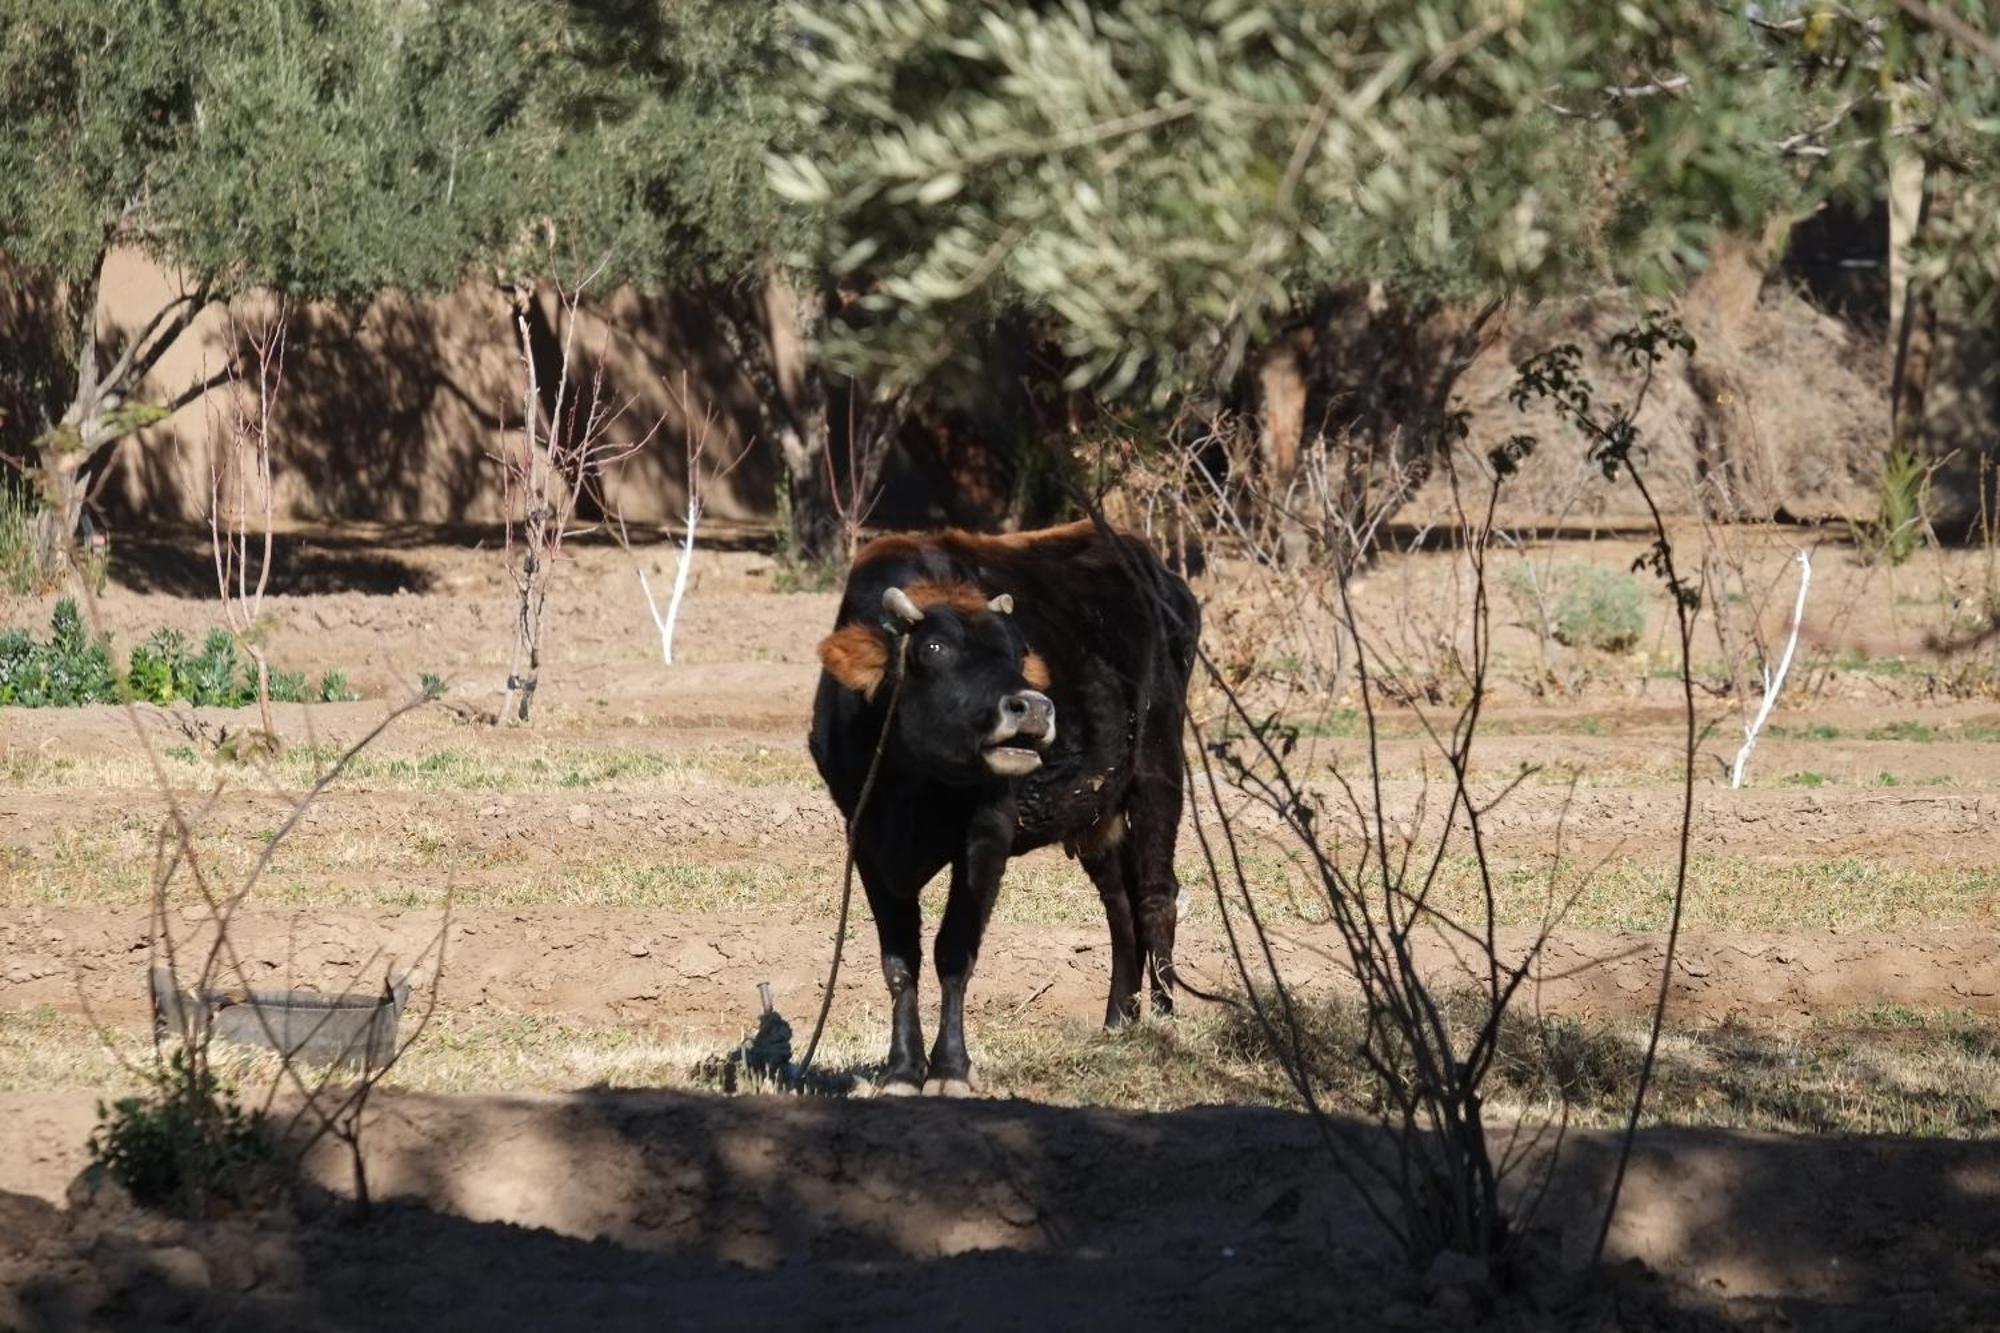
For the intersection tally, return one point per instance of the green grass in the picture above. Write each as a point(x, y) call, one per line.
point(1862, 664)
point(1805, 778)
point(1817, 731)
point(1902, 731)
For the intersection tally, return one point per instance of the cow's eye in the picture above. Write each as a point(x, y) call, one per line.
point(933, 648)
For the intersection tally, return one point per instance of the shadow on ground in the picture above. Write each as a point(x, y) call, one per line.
point(640, 1209)
point(183, 565)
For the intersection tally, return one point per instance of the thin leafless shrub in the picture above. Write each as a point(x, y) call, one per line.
point(1436, 1174)
point(856, 488)
point(698, 430)
point(239, 492)
point(566, 438)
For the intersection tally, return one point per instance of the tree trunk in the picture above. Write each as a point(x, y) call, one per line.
point(101, 411)
point(1944, 399)
point(1281, 422)
point(1743, 478)
point(799, 384)
point(64, 483)
point(62, 452)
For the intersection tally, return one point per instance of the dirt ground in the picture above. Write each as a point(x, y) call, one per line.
point(633, 863)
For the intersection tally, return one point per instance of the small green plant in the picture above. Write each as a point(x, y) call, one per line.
point(431, 684)
point(1805, 778)
point(1898, 530)
point(288, 687)
point(333, 689)
point(182, 1143)
point(71, 669)
point(1887, 779)
point(1580, 605)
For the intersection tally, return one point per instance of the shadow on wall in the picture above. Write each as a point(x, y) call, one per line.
point(1952, 406)
point(390, 414)
point(35, 378)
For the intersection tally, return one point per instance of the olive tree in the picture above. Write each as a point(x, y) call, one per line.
point(287, 146)
point(1157, 185)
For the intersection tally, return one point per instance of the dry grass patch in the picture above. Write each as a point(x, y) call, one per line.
point(1926, 1073)
point(1724, 893)
point(500, 768)
point(408, 866)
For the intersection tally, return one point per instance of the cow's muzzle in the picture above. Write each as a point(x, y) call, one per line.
point(1026, 726)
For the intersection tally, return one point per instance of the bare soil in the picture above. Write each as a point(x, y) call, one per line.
point(655, 844)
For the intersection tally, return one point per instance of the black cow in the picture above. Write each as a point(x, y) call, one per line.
point(1045, 687)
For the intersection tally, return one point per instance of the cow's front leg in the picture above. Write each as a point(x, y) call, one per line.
point(975, 883)
point(899, 930)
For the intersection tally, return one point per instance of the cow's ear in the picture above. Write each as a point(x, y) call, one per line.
point(856, 657)
point(1035, 671)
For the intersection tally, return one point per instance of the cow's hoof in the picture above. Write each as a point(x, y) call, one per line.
point(898, 1088)
point(948, 1087)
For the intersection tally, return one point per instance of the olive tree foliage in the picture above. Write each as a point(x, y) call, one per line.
point(1157, 180)
point(1941, 62)
point(660, 121)
point(646, 137)
point(291, 146)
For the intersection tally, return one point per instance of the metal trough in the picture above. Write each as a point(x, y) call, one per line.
point(305, 1026)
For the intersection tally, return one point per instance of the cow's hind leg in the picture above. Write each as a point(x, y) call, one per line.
point(1103, 860)
point(892, 900)
point(975, 883)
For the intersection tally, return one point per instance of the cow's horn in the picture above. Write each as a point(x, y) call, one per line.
point(1003, 605)
point(897, 603)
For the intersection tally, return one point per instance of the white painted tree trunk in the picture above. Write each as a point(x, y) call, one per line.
point(665, 623)
point(1773, 684)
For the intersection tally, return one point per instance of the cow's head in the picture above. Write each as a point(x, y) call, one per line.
point(972, 706)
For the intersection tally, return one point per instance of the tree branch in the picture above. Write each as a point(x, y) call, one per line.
point(129, 363)
point(197, 391)
point(1953, 27)
point(191, 305)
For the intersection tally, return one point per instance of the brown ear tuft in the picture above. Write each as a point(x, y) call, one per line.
point(1035, 671)
point(856, 657)
point(960, 597)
